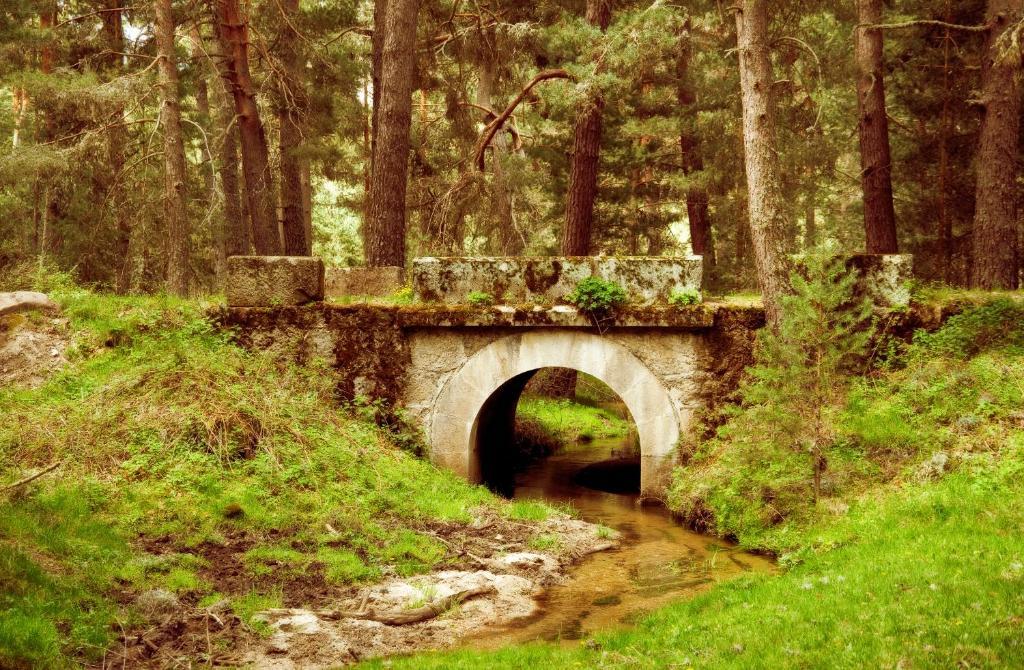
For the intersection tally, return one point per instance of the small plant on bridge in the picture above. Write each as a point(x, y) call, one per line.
point(597, 298)
point(480, 299)
point(685, 297)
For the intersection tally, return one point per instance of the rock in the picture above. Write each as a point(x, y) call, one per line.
point(157, 604)
point(517, 280)
point(277, 644)
point(934, 467)
point(305, 623)
point(527, 561)
point(385, 281)
point(274, 281)
point(20, 301)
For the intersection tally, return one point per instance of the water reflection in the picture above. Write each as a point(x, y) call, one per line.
point(659, 561)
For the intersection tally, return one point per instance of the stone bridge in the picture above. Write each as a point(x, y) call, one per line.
point(459, 370)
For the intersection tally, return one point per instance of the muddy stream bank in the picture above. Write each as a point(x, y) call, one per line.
point(567, 577)
point(656, 561)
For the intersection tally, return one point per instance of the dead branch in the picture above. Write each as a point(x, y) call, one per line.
point(922, 22)
point(492, 128)
point(31, 478)
point(395, 617)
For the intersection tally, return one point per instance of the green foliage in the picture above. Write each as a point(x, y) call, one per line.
point(480, 299)
point(799, 381)
point(169, 431)
point(597, 297)
point(567, 421)
point(997, 324)
point(914, 575)
point(685, 297)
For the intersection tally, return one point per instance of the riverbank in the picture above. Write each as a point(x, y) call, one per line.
point(195, 484)
point(914, 557)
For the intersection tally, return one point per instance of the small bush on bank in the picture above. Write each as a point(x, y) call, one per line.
point(957, 392)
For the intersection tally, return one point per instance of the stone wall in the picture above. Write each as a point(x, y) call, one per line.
point(515, 280)
point(255, 281)
point(362, 281)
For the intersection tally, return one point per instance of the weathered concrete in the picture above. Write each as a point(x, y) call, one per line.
point(885, 278)
point(20, 301)
point(363, 281)
point(266, 281)
point(513, 280)
point(459, 371)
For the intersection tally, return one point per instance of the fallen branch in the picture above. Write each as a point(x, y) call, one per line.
point(494, 126)
point(394, 617)
point(922, 22)
point(31, 478)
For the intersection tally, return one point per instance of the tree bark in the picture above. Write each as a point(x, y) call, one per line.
point(764, 185)
point(693, 162)
point(586, 150)
point(175, 176)
point(233, 35)
point(380, 12)
point(995, 262)
point(873, 127)
point(235, 228)
point(385, 226)
point(504, 224)
point(291, 108)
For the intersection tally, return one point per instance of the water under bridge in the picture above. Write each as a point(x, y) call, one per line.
point(458, 369)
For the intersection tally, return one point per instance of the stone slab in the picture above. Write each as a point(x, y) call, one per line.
point(885, 278)
point(270, 281)
point(19, 301)
point(515, 280)
point(363, 281)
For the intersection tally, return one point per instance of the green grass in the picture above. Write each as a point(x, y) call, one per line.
point(567, 421)
point(173, 442)
point(930, 578)
point(894, 569)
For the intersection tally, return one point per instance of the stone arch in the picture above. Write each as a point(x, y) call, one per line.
point(505, 365)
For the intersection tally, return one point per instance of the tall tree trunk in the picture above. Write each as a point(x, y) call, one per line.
point(234, 231)
point(291, 108)
point(175, 177)
point(873, 126)
point(504, 224)
point(693, 162)
point(764, 185)
point(945, 130)
point(810, 223)
point(233, 35)
point(385, 226)
point(380, 15)
point(586, 150)
point(995, 262)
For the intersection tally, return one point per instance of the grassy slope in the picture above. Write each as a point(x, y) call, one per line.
point(174, 442)
point(567, 421)
point(905, 571)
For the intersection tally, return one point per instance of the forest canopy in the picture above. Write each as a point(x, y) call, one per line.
point(143, 143)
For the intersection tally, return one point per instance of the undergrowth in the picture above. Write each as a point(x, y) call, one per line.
point(173, 445)
point(912, 558)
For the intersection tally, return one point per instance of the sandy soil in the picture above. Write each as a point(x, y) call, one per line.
point(491, 552)
point(31, 348)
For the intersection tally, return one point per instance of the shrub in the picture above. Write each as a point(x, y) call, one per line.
point(597, 297)
point(480, 299)
point(997, 324)
point(684, 297)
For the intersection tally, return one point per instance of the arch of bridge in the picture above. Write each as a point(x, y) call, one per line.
point(455, 422)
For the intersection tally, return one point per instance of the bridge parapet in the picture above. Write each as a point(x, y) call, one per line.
point(519, 280)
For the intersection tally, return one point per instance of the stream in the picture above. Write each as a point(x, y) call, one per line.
point(659, 561)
